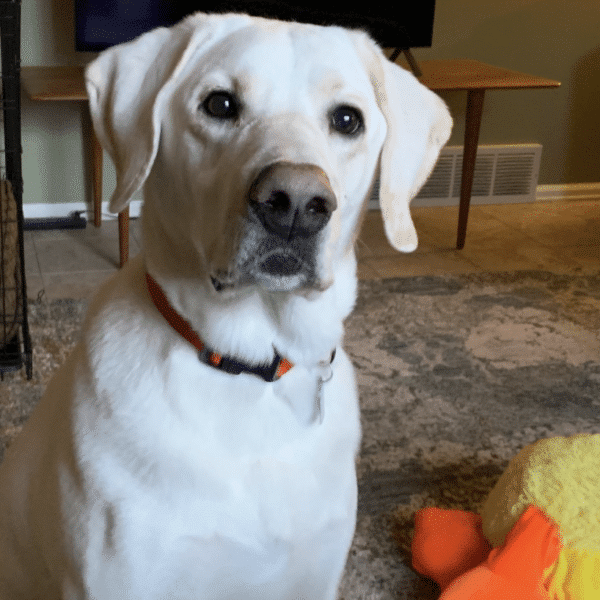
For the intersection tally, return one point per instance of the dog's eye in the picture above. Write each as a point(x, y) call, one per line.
point(221, 105)
point(346, 120)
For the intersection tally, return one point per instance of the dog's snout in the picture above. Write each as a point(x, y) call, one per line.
point(292, 200)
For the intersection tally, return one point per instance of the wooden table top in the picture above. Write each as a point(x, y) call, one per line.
point(66, 83)
point(468, 74)
point(54, 83)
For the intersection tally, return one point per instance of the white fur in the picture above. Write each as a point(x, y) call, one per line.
point(143, 473)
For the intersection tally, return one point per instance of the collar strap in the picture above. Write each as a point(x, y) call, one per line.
point(279, 367)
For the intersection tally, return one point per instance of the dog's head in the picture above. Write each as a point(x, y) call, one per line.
point(258, 143)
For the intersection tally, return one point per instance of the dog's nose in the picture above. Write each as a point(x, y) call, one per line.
point(292, 200)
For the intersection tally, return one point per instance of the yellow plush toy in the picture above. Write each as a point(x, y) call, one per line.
point(561, 476)
point(537, 536)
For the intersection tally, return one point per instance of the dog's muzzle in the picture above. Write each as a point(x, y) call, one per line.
point(293, 203)
point(289, 205)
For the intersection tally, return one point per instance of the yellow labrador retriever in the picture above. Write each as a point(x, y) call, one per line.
point(200, 442)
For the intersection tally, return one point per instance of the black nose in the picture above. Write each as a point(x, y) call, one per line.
point(292, 200)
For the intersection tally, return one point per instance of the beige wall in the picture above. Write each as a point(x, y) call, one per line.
point(558, 39)
point(56, 163)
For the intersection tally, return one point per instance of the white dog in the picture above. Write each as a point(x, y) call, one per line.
point(200, 441)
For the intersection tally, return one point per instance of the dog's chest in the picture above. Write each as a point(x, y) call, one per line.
point(238, 561)
point(262, 529)
point(241, 489)
point(281, 536)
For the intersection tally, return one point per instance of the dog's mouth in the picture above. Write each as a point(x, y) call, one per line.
point(279, 270)
point(268, 261)
point(281, 263)
point(271, 266)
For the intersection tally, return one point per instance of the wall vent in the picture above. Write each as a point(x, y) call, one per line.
point(503, 174)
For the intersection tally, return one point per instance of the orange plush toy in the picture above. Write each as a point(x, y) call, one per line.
point(450, 548)
point(538, 535)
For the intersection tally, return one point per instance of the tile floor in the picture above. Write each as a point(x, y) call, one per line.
point(558, 236)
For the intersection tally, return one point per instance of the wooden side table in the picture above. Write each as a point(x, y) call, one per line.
point(475, 78)
point(67, 84)
point(472, 76)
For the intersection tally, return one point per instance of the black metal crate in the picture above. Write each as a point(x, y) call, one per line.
point(15, 341)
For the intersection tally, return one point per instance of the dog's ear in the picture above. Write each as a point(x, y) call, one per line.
point(124, 86)
point(127, 86)
point(418, 125)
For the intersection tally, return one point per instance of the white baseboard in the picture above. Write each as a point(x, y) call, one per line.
point(45, 211)
point(544, 193)
point(567, 191)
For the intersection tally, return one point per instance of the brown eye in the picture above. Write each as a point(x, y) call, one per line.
point(221, 105)
point(346, 120)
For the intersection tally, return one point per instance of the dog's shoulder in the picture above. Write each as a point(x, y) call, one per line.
point(119, 298)
point(121, 321)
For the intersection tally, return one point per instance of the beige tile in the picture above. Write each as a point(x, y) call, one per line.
point(77, 285)
point(520, 257)
point(434, 263)
point(431, 241)
point(372, 240)
point(564, 232)
point(35, 286)
point(109, 230)
point(32, 266)
point(80, 250)
point(514, 214)
point(439, 217)
point(69, 255)
point(49, 234)
point(436, 227)
point(563, 237)
point(485, 231)
point(362, 250)
point(554, 223)
point(587, 258)
point(366, 271)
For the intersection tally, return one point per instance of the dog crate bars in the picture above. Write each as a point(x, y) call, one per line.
point(15, 342)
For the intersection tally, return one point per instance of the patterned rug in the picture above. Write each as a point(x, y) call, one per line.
point(456, 375)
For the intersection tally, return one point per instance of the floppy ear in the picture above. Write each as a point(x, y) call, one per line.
point(127, 86)
point(418, 125)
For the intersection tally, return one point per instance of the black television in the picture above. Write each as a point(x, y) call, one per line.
point(103, 23)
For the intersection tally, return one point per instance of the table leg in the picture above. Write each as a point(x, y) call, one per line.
point(97, 193)
point(473, 121)
point(97, 178)
point(123, 236)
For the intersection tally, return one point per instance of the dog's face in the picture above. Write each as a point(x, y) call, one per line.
point(259, 142)
point(271, 164)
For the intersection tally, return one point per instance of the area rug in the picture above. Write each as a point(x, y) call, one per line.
point(456, 375)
